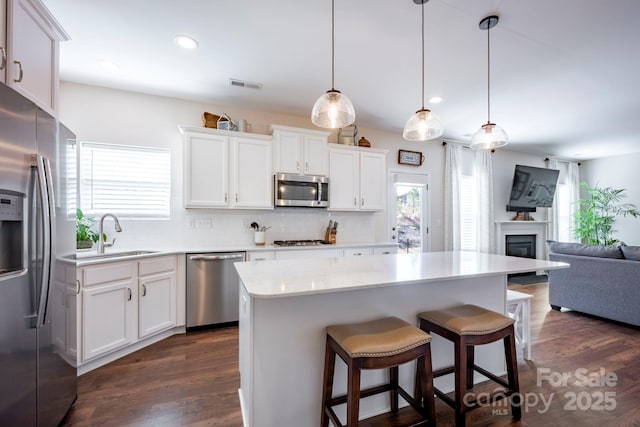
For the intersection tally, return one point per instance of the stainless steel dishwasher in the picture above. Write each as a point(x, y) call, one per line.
point(213, 288)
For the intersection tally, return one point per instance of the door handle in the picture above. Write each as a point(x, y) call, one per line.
point(214, 257)
point(20, 74)
point(130, 295)
point(144, 290)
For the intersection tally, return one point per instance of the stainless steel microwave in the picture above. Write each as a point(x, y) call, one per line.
point(311, 191)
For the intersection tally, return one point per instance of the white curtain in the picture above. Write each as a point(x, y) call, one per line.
point(553, 231)
point(484, 180)
point(452, 170)
point(562, 228)
point(573, 181)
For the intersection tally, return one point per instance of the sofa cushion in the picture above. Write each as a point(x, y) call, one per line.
point(580, 249)
point(631, 252)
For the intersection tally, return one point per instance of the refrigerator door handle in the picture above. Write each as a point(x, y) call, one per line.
point(45, 190)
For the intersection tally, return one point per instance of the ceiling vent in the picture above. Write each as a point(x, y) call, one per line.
point(242, 83)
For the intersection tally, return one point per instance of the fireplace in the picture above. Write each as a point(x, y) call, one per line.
point(520, 245)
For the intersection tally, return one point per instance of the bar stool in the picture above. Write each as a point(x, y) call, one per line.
point(467, 326)
point(377, 344)
point(519, 309)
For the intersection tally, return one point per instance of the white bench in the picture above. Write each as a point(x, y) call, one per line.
point(519, 309)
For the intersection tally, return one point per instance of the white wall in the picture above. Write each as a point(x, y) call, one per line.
point(119, 117)
point(618, 172)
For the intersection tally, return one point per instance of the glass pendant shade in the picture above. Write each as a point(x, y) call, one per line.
point(489, 136)
point(333, 110)
point(422, 126)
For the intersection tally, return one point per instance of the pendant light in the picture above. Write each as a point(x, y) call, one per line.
point(490, 135)
point(423, 125)
point(333, 109)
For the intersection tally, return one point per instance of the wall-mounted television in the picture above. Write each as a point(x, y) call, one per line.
point(532, 188)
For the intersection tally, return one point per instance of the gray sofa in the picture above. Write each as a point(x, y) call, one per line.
point(603, 280)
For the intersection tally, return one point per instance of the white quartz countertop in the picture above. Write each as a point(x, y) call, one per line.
point(268, 279)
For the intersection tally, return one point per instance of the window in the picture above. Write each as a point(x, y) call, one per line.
point(468, 213)
point(131, 182)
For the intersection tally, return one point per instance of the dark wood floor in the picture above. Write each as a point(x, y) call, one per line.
point(193, 379)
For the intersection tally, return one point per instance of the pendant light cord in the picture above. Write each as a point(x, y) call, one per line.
point(332, 44)
point(488, 72)
point(423, 2)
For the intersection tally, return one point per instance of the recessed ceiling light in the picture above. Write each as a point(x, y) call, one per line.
point(186, 42)
point(435, 100)
point(108, 65)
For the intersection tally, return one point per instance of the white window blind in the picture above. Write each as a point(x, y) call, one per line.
point(131, 182)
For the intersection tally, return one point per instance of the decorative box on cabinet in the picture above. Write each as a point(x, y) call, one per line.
point(31, 52)
point(224, 169)
point(300, 151)
point(361, 173)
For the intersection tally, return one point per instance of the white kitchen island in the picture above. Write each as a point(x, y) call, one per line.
point(286, 305)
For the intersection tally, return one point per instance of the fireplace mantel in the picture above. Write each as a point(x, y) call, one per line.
point(539, 228)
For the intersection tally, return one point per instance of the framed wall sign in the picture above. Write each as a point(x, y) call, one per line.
point(406, 157)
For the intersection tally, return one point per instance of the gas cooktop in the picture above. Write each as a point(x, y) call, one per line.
point(300, 242)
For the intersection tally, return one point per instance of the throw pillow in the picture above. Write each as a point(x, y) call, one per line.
point(585, 250)
point(631, 252)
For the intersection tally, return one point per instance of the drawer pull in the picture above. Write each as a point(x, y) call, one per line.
point(130, 294)
point(21, 73)
point(144, 290)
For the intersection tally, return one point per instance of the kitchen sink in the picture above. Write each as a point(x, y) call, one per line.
point(109, 255)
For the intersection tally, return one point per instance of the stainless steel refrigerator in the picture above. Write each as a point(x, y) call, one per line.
point(38, 375)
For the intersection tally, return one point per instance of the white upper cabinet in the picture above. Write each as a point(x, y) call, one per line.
point(253, 176)
point(225, 169)
point(300, 151)
point(206, 171)
point(32, 39)
point(357, 178)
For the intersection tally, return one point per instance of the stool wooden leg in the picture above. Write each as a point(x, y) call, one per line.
point(393, 380)
point(353, 393)
point(426, 385)
point(461, 368)
point(329, 366)
point(512, 373)
point(470, 361)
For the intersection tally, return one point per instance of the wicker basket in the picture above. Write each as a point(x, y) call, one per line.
point(210, 120)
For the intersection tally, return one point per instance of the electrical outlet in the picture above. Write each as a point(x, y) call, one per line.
point(203, 223)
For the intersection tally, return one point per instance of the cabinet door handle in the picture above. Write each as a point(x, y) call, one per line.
point(298, 165)
point(130, 294)
point(20, 74)
point(226, 198)
point(3, 64)
point(362, 202)
point(355, 201)
point(357, 254)
point(236, 197)
point(386, 253)
point(77, 287)
point(144, 290)
point(306, 166)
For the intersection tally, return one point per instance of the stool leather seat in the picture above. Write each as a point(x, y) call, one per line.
point(468, 319)
point(378, 338)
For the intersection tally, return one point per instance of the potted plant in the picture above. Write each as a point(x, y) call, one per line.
point(85, 235)
point(598, 211)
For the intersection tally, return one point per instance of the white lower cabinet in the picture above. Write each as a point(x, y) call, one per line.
point(156, 291)
point(309, 253)
point(109, 317)
point(123, 302)
point(358, 251)
point(261, 255)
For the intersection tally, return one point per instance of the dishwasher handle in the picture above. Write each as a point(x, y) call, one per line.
point(214, 257)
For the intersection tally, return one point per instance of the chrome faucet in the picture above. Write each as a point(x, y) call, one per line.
point(101, 243)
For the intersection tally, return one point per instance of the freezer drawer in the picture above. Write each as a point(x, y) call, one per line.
point(212, 288)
